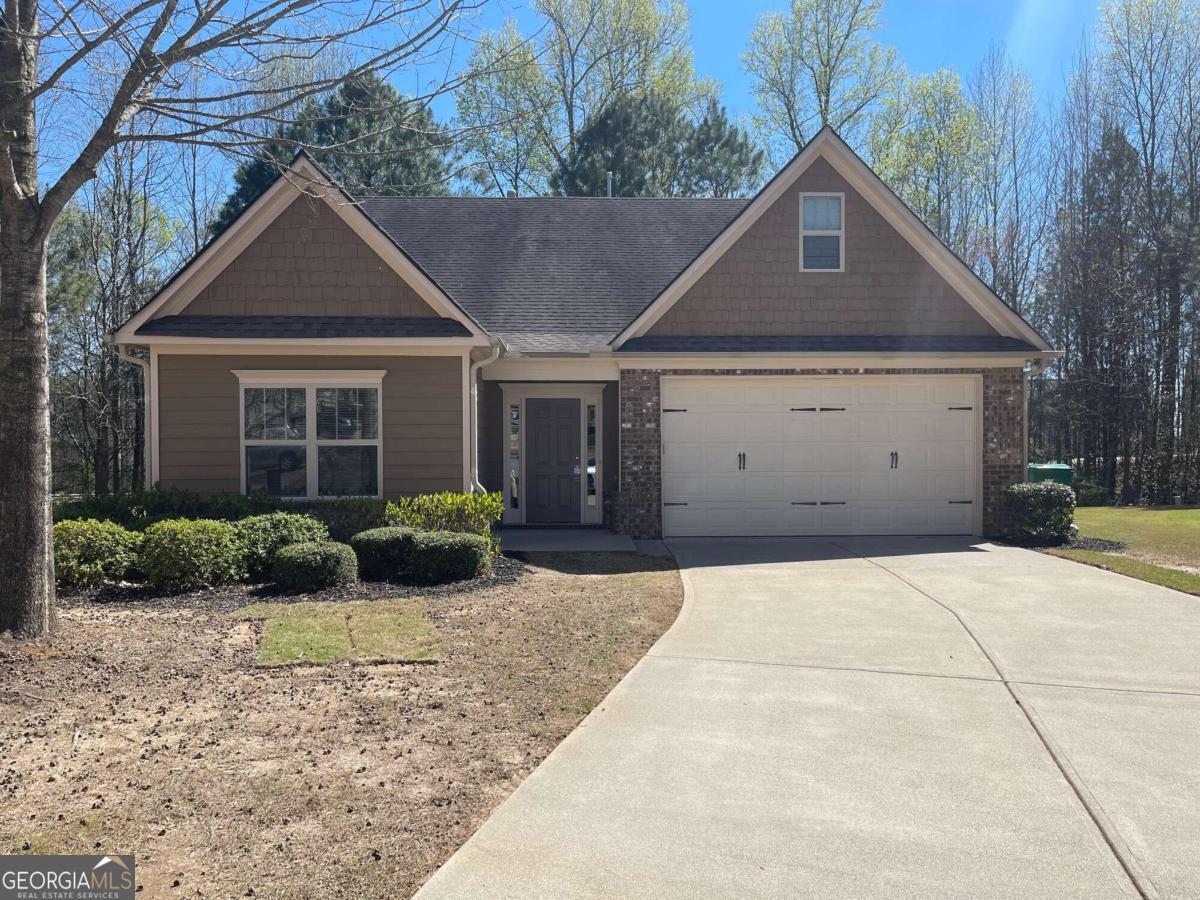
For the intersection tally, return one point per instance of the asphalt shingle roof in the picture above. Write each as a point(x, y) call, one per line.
point(827, 344)
point(303, 326)
point(552, 274)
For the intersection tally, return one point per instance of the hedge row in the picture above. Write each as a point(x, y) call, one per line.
point(189, 554)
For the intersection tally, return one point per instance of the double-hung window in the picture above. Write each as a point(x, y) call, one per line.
point(822, 233)
point(311, 434)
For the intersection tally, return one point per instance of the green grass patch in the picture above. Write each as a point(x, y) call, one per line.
point(1159, 534)
point(1134, 568)
point(359, 631)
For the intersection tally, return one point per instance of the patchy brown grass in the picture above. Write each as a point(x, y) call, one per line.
point(148, 729)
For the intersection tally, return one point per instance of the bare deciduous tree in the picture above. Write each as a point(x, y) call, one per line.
point(143, 54)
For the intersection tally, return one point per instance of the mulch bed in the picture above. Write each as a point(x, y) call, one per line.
point(233, 597)
point(144, 726)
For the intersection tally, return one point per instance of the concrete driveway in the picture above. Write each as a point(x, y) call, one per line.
point(875, 717)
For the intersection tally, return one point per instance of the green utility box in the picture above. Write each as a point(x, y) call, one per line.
point(1060, 472)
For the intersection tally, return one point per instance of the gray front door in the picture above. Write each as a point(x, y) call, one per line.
point(552, 464)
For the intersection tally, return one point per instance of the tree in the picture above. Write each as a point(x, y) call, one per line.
point(378, 142)
point(653, 149)
point(114, 74)
point(933, 161)
point(501, 110)
point(585, 55)
point(817, 65)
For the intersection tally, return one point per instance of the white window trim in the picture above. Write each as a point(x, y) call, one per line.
point(311, 380)
point(839, 233)
point(588, 394)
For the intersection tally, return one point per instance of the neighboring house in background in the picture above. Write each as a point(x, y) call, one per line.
point(811, 361)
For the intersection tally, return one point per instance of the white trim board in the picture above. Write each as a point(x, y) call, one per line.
point(837, 153)
point(303, 177)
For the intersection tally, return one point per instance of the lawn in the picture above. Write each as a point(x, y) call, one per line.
point(359, 631)
point(153, 727)
point(1162, 545)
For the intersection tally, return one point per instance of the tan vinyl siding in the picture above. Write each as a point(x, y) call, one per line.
point(199, 446)
point(757, 288)
point(308, 262)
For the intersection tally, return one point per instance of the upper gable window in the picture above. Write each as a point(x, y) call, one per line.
point(822, 232)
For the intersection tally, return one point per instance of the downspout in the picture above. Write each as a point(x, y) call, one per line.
point(144, 365)
point(498, 349)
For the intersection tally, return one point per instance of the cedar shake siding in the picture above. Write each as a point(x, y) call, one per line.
point(308, 262)
point(757, 288)
point(422, 410)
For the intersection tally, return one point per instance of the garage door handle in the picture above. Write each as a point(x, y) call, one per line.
point(833, 409)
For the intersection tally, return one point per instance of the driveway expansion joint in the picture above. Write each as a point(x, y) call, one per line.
point(1091, 805)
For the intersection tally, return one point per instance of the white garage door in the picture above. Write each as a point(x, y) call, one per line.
point(814, 455)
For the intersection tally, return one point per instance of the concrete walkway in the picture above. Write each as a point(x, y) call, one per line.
point(875, 717)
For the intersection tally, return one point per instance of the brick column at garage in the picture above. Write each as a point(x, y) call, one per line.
point(1004, 444)
point(638, 508)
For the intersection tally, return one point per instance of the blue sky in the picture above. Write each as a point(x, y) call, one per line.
point(1041, 35)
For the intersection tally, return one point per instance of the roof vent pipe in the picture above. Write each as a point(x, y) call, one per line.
point(608, 178)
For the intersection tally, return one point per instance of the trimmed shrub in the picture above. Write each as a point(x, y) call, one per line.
point(448, 511)
point(1043, 510)
point(88, 552)
point(441, 556)
point(140, 509)
point(185, 554)
point(346, 517)
point(384, 553)
point(263, 536)
point(314, 565)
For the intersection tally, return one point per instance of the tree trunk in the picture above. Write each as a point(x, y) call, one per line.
point(26, 557)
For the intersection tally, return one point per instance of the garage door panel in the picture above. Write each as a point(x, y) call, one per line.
point(813, 472)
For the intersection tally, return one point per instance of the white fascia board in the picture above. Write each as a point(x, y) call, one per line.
point(173, 344)
point(756, 361)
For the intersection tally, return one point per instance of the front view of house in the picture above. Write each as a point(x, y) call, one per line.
point(810, 361)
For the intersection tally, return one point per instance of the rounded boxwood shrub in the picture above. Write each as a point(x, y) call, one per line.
point(384, 553)
point(88, 552)
point(1042, 510)
point(314, 565)
point(263, 536)
point(185, 554)
point(441, 556)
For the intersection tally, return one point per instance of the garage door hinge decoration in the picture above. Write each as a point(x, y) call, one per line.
point(960, 407)
point(674, 410)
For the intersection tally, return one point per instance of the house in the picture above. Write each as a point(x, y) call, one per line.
point(810, 361)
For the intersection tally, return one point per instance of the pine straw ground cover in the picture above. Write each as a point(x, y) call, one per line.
point(146, 727)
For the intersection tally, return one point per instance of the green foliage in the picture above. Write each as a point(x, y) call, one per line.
point(263, 536)
point(449, 511)
point(1088, 493)
point(653, 149)
point(819, 64)
point(314, 565)
point(438, 557)
point(186, 554)
point(379, 143)
point(1042, 510)
point(139, 509)
point(384, 553)
point(928, 145)
point(347, 516)
point(88, 552)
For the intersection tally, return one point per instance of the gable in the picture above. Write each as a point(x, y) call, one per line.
point(756, 287)
point(308, 262)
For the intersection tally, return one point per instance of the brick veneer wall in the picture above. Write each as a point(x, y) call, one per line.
point(637, 509)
